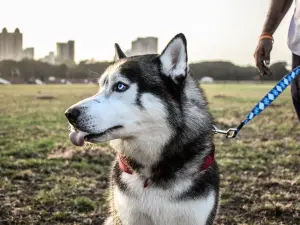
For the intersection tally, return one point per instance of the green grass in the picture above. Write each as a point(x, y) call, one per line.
point(44, 179)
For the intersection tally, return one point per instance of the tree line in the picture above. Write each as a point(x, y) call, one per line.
point(28, 70)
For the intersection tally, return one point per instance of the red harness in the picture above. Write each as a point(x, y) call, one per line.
point(208, 161)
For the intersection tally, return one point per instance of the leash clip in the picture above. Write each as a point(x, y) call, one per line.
point(230, 133)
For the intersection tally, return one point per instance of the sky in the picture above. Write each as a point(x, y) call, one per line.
point(215, 29)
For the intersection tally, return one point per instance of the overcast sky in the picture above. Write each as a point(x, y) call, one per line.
point(215, 29)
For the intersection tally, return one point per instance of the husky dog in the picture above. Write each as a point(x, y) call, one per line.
point(156, 118)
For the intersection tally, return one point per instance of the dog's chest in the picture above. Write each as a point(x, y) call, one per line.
point(154, 206)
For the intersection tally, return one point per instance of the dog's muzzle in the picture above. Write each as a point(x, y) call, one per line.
point(76, 137)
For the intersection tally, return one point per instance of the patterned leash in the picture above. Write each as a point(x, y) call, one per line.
point(262, 104)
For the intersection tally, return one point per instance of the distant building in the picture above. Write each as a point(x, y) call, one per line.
point(71, 48)
point(146, 45)
point(50, 58)
point(28, 53)
point(62, 52)
point(128, 52)
point(65, 52)
point(11, 45)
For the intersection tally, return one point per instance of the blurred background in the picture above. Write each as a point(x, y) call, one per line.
point(60, 41)
point(49, 51)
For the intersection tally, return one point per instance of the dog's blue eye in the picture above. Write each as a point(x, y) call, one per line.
point(121, 87)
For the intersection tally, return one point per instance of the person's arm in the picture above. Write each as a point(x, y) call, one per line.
point(277, 11)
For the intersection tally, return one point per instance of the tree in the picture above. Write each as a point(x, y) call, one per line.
point(219, 70)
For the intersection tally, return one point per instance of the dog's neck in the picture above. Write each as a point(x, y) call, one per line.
point(158, 158)
point(163, 175)
point(144, 149)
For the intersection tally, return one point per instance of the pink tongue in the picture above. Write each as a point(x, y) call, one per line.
point(77, 137)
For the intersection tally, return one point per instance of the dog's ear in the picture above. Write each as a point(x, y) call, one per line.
point(119, 54)
point(174, 58)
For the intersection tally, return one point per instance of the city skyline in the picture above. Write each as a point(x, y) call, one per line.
point(215, 30)
point(11, 48)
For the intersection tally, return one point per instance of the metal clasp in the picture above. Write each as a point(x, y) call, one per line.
point(230, 133)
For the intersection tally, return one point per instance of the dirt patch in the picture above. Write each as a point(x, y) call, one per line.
point(223, 96)
point(273, 105)
point(45, 97)
point(62, 152)
point(45, 183)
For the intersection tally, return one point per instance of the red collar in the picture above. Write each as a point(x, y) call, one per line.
point(124, 166)
point(208, 161)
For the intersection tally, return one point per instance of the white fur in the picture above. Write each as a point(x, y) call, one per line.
point(145, 133)
point(158, 208)
point(107, 109)
point(174, 59)
point(153, 122)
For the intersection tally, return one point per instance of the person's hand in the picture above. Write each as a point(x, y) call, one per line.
point(262, 56)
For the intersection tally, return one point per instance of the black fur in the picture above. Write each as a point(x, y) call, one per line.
point(181, 149)
point(138, 69)
point(175, 154)
point(189, 131)
point(119, 54)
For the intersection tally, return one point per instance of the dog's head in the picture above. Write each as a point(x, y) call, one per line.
point(138, 95)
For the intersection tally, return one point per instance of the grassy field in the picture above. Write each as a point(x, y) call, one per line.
point(46, 180)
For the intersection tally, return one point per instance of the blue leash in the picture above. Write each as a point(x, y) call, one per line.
point(262, 104)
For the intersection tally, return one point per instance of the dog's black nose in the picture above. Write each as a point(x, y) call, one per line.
point(72, 114)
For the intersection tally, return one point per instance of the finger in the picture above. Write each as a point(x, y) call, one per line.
point(264, 71)
point(259, 63)
point(267, 62)
point(268, 71)
point(266, 57)
point(262, 59)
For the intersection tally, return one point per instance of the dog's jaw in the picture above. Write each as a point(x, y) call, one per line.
point(78, 137)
